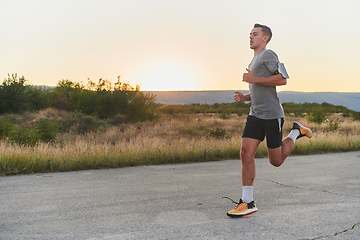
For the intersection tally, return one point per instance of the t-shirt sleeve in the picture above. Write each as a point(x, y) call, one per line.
point(271, 60)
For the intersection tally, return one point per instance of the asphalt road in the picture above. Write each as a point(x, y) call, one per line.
point(309, 197)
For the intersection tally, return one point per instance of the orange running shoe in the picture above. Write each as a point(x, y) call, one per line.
point(304, 130)
point(243, 209)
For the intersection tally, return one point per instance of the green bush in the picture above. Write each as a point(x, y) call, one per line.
point(194, 131)
point(89, 124)
point(218, 133)
point(333, 124)
point(17, 96)
point(241, 112)
point(6, 127)
point(117, 120)
point(224, 113)
point(317, 116)
point(224, 109)
point(24, 137)
point(47, 130)
point(80, 123)
point(103, 99)
point(355, 115)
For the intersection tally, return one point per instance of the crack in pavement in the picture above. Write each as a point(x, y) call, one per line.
point(344, 231)
point(284, 185)
point(335, 234)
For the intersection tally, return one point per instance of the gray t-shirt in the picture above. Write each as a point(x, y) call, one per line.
point(265, 103)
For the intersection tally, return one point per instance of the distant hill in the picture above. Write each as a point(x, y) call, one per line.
point(349, 100)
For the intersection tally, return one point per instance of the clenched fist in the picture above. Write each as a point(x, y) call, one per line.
point(239, 97)
point(249, 77)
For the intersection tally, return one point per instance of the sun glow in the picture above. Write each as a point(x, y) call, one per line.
point(166, 75)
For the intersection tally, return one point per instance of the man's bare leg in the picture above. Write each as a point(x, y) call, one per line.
point(247, 156)
point(278, 155)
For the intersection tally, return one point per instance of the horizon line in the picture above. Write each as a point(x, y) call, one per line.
point(219, 90)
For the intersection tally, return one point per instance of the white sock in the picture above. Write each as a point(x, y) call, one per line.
point(294, 134)
point(247, 194)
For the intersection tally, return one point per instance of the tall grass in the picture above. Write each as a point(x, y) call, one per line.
point(171, 139)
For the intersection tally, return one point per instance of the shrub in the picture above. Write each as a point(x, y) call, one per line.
point(6, 127)
point(17, 96)
point(218, 133)
point(194, 130)
point(117, 120)
point(103, 99)
point(317, 116)
point(47, 130)
point(224, 113)
point(89, 124)
point(241, 112)
point(80, 123)
point(355, 115)
point(24, 137)
point(333, 124)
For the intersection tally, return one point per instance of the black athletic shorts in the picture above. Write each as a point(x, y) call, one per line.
point(257, 128)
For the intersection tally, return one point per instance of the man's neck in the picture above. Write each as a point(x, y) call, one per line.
point(259, 49)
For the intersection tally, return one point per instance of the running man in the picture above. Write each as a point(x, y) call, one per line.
point(266, 117)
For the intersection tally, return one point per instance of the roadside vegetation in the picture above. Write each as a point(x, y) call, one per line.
point(68, 130)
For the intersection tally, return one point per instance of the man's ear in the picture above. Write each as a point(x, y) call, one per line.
point(265, 38)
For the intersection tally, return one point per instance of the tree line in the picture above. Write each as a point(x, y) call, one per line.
point(102, 99)
point(315, 111)
point(106, 100)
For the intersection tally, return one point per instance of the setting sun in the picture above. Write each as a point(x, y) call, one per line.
point(178, 45)
point(166, 75)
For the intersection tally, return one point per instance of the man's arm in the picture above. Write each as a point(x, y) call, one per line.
point(275, 80)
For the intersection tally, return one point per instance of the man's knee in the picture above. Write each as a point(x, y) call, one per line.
point(275, 157)
point(276, 162)
point(246, 156)
point(248, 149)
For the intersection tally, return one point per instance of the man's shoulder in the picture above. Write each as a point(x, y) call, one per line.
point(269, 55)
point(269, 52)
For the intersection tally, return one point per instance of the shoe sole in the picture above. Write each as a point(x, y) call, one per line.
point(247, 212)
point(304, 130)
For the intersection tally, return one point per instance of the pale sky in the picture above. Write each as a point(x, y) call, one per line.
point(179, 45)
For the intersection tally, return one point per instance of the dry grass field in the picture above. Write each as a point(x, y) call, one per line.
point(170, 139)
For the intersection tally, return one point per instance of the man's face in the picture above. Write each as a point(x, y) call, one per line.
point(256, 38)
